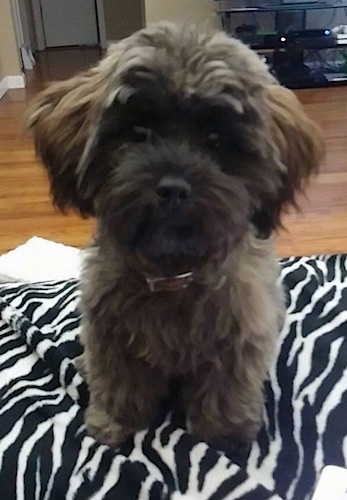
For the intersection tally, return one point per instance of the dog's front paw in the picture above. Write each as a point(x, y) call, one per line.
point(242, 436)
point(104, 429)
point(79, 365)
point(237, 437)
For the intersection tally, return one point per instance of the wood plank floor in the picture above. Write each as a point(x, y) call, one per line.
point(25, 207)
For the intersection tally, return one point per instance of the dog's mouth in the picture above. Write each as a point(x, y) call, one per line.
point(179, 243)
point(174, 251)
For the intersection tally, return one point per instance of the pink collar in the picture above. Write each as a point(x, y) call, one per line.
point(176, 283)
point(170, 284)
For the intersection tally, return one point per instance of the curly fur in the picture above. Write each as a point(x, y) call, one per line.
point(202, 108)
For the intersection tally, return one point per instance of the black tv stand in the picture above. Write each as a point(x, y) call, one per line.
point(287, 50)
point(291, 71)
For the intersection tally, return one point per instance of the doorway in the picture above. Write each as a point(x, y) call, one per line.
point(85, 22)
point(69, 22)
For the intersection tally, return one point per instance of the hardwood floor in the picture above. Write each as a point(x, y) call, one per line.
point(26, 210)
point(25, 206)
point(322, 225)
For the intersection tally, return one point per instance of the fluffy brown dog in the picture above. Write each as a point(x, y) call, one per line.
point(186, 150)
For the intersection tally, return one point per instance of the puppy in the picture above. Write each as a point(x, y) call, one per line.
point(186, 150)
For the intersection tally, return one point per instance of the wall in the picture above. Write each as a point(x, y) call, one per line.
point(123, 17)
point(197, 11)
point(9, 56)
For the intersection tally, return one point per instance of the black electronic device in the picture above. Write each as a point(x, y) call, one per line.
point(300, 5)
point(304, 3)
point(309, 39)
point(297, 40)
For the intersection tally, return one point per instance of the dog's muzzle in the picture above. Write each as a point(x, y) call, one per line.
point(170, 234)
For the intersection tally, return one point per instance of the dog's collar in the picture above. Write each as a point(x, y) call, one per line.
point(170, 284)
point(176, 283)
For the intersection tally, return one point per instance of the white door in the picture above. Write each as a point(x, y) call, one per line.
point(69, 22)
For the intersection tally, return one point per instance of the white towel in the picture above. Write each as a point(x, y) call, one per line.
point(40, 260)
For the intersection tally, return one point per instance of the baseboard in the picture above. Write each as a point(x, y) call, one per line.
point(11, 82)
point(16, 82)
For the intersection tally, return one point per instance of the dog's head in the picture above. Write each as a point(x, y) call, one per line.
point(178, 142)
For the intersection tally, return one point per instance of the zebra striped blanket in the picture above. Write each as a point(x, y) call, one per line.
point(45, 452)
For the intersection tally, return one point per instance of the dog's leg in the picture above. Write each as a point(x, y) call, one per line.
point(224, 399)
point(103, 427)
point(123, 399)
point(225, 406)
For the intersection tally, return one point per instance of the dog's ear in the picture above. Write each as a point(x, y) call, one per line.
point(299, 149)
point(297, 137)
point(62, 119)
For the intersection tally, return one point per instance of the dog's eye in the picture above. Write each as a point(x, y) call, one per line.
point(140, 134)
point(213, 140)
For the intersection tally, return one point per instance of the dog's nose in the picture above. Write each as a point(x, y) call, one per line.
point(173, 190)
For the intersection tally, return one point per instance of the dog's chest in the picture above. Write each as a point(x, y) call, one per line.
point(177, 335)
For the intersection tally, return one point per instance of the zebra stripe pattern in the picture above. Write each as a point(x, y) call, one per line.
point(45, 452)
